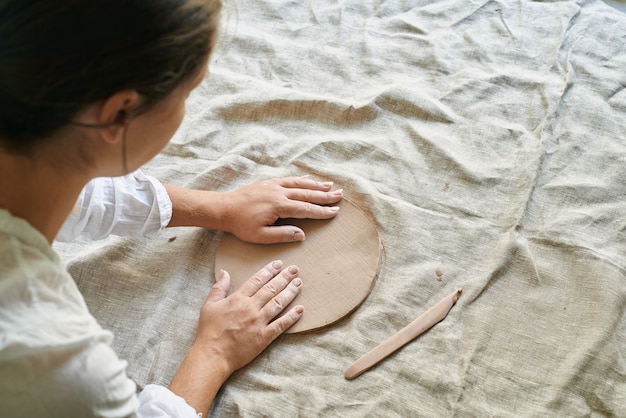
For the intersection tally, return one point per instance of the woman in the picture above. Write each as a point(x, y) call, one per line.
point(90, 91)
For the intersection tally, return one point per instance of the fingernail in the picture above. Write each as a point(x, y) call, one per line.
point(293, 269)
point(328, 183)
point(338, 191)
point(298, 236)
point(297, 282)
point(277, 264)
point(299, 309)
point(222, 274)
point(334, 208)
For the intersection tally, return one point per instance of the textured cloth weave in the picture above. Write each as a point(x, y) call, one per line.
point(487, 139)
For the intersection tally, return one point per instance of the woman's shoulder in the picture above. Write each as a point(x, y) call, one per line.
point(40, 304)
point(55, 359)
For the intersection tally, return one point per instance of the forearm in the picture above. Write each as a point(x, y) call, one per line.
point(199, 378)
point(196, 208)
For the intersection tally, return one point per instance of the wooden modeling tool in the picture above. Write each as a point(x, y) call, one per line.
point(420, 325)
point(339, 262)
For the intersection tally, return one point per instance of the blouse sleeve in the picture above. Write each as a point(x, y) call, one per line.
point(159, 402)
point(131, 205)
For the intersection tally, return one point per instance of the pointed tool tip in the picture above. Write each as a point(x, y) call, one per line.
point(350, 373)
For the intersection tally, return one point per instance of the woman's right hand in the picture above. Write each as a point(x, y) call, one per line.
point(234, 329)
point(238, 327)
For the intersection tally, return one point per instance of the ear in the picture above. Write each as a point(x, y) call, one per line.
point(115, 113)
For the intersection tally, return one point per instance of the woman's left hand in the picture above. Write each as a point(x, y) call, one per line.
point(254, 209)
point(250, 213)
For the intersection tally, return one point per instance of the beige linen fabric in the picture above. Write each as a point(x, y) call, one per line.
point(487, 139)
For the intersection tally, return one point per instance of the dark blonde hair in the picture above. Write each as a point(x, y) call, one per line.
point(59, 56)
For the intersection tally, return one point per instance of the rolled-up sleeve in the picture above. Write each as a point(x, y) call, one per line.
point(131, 205)
point(159, 402)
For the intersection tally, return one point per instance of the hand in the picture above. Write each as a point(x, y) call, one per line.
point(238, 327)
point(233, 330)
point(250, 213)
point(253, 210)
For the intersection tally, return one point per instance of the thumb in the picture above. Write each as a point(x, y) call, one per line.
point(220, 289)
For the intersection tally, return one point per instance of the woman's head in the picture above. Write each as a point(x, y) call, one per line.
point(59, 56)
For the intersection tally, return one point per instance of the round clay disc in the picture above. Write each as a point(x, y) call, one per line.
point(339, 262)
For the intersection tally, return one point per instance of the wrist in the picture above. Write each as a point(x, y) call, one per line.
point(214, 360)
point(200, 376)
point(200, 208)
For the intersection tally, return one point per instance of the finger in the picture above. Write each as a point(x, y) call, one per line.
point(307, 210)
point(279, 233)
point(280, 301)
point(260, 278)
point(280, 325)
point(220, 289)
point(305, 182)
point(315, 196)
point(275, 287)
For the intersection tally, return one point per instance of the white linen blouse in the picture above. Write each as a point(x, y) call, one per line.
point(55, 359)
